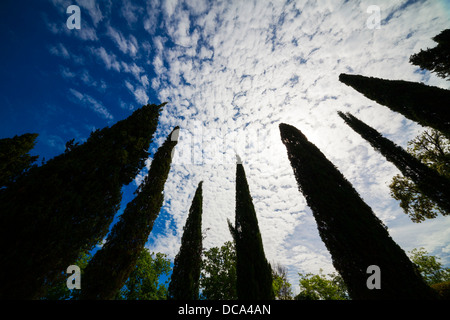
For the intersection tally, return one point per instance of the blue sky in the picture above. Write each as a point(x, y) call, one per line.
point(231, 71)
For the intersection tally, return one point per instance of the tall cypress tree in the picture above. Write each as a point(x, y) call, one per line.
point(427, 180)
point(65, 207)
point(426, 105)
point(184, 284)
point(436, 59)
point(354, 236)
point(111, 266)
point(254, 274)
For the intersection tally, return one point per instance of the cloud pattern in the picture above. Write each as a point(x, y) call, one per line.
point(231, 71)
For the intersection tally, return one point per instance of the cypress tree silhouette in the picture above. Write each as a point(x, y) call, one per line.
point(426, 105)
point(111, 266)
point(184, 284)
point(436, 59)
point(15, 159)
point(427, 180)
point(65, 207)
point(254, 274)
point(354, 236)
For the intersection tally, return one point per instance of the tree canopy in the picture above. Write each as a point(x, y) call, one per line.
point(433, 150)
point(344, 219)
point(184, 284)
point(218, 275)
point(427, 180)
point(426, 105)
point(65, 206)
point(111, 266)
point(15, 159)
point(254, 274)
point(435, 59)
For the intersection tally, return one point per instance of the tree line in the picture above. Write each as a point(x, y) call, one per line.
point(52, 214)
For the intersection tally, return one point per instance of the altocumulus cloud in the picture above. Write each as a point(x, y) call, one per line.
point(231, 71)
point(240, 68)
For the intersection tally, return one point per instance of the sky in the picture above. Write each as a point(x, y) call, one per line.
point(231, 72)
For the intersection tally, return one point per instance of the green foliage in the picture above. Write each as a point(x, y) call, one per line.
point(322, 287)
point(218, 275)
point(144, 281)
point(15, 159)
point(332, 286)
point(254, 274)
point(354, 236)
point(65, 206)
point(433, 150)
point(430, 183)
point(418, 102)
point(436, 59)
point(281, 287)
point(184, 284)
point(429, 267)
point(111, 266)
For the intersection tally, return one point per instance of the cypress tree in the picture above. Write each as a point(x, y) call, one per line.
point(436, 59)
point(427, 180)
point(65, 207)
point(354, 236)
point(15, 159)
point(111, 266)
point(429, 106)
point(254, 274)
point(184, 284)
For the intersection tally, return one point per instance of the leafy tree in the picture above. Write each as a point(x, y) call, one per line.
point(65, 207)
point(429, 267)
point(436, 59)
point(427, 180)
point(15, 158)
point(332, 287)
point(254, 274)
point(433, 150)
point(144, 281)
point(184, 284)
point(426, 105)
point(281, 286)
point(218, 273)
point(354, 236)
point(322, 287)
point(111, 266)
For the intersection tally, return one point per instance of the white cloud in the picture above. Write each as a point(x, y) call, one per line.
point(60, 50)
point(92, 103)
point(139, 93)
point(130, 12)
point(169, 7)
point(93, 9)
point(110, 60)
point(127, 46)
